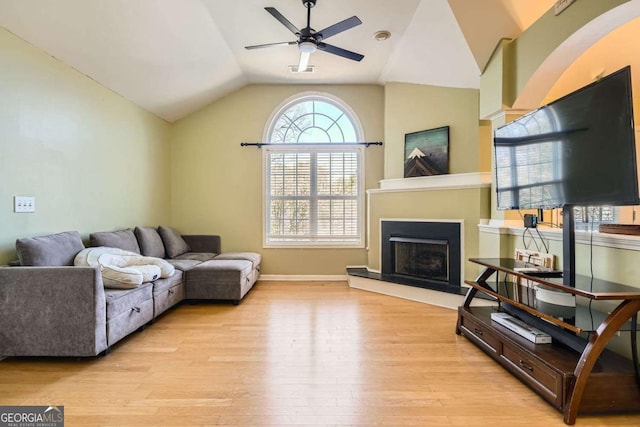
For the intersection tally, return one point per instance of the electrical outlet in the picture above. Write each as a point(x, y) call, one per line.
point(22, 204)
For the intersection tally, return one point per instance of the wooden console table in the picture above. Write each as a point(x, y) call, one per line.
point(575, 373)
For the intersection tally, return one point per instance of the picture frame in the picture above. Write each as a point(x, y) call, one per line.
point(426, 152)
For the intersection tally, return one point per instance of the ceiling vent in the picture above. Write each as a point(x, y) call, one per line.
point(296, 69)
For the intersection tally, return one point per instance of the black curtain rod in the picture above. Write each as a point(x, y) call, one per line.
point(334, 144)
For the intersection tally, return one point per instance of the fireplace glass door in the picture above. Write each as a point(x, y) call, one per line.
point(421, 258)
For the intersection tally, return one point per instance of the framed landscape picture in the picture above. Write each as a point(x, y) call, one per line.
point(426, 152)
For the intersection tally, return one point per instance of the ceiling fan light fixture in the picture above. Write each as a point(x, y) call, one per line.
point(310, 40)
point(307, 47)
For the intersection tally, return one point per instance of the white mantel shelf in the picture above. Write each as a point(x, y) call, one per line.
point(435, 182)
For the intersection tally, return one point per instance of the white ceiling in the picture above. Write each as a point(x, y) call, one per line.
point(172, 57)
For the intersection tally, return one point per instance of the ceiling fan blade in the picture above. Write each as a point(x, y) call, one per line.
point(284, 21)
point(339, 27)
point(340, 52)
point(260, 46)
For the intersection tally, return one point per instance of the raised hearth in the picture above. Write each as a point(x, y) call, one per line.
point(366, 274)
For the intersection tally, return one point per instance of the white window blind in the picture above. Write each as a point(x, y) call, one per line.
point(313, 177)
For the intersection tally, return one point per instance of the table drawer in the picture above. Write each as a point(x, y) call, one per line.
point(480, 333)
point(539, 376)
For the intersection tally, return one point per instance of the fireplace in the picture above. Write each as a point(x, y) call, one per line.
point(426, 254)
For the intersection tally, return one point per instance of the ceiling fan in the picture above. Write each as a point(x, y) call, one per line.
point(310, 40)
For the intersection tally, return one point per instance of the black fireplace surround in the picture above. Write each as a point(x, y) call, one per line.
point(422, 254)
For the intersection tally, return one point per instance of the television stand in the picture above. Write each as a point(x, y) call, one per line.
point(586, 379)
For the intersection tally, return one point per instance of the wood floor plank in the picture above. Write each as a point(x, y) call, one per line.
point(291, 354)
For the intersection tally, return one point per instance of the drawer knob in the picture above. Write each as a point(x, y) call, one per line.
point(478, 331)
point(525, 365)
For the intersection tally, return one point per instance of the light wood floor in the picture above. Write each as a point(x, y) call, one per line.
point(318, 354)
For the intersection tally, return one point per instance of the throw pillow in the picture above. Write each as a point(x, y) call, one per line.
point(150, 241)
point(52, 250)
point(174, 244)
point(121, 239)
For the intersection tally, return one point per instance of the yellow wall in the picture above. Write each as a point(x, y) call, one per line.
point(92, 159)
point(411, 108)
point(485, 145)
point(217, 185)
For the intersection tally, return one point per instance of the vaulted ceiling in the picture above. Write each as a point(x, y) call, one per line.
point(173, 57)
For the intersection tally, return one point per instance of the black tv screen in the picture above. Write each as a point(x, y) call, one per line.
point(578, 150)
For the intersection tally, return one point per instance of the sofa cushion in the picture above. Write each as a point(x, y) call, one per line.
point(219, 279)
point(174, 244)
point(184, 264)
point(122, 239)
point(196, 256)
point(255, 258)
point(149, 241)
point(52, 250)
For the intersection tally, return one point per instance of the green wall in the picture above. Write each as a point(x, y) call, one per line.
point(411, 108)
point(217, 185)
point(92, 159)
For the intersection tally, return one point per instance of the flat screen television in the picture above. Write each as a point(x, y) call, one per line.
point(576, 151)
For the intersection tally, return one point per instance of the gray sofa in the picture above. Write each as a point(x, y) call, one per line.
point(49, 307)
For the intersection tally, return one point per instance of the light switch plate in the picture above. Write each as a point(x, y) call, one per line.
point(24, 204)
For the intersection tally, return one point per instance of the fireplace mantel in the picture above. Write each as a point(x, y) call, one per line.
point(435, 182)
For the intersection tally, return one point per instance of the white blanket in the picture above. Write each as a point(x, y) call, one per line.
point(123, 269)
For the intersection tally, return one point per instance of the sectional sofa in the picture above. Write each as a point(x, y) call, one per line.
point(51, 307)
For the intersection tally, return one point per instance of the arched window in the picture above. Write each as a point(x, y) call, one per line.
point(313, 174)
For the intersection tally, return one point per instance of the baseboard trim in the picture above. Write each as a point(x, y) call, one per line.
point(302, 278)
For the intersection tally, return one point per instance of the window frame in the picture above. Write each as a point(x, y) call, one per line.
point(584, 216)
point(306, 147)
